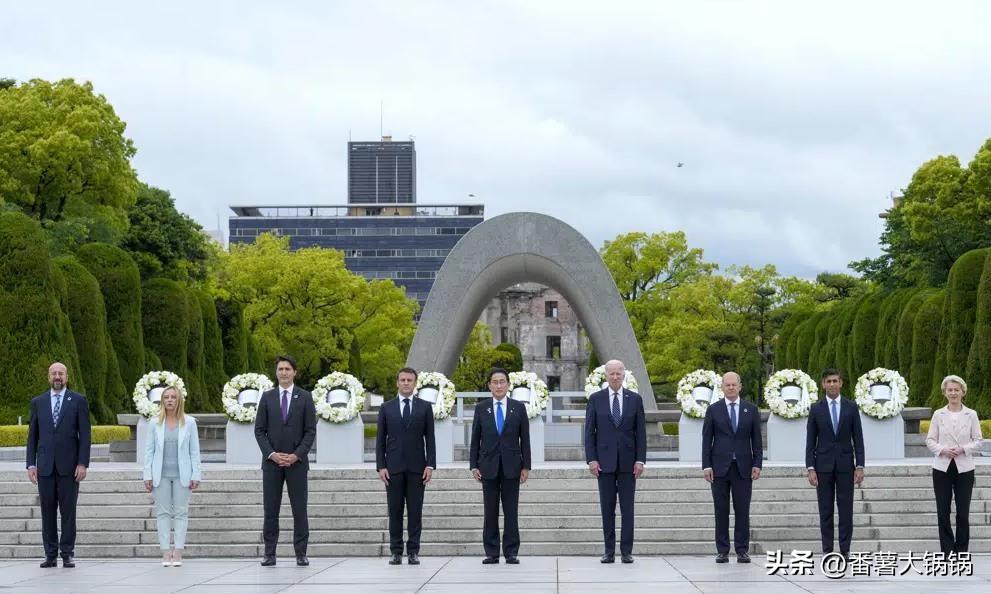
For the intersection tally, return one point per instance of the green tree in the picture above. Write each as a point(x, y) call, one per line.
point(61, 143)
point(384, 329)
point(199, 399)
point(906, 330)
point(164, 241)
point(864, 335)
point(214, 376)
point(165, 320)
point(477, 358)
point(925, 333)
point(517, 362)
point(979, 358)
point(234, 332)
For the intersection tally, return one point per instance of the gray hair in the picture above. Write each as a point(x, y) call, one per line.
point(956, 379)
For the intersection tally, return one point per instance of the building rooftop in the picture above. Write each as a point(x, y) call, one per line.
point(362, 210)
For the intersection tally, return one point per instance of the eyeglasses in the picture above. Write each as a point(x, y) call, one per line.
point(496, 382)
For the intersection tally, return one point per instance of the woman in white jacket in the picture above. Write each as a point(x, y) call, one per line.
point(954, 437)
point(172, 471)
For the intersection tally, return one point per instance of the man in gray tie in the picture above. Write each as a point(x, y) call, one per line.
point(616, 450)
point(732, 455)
point(834, 459)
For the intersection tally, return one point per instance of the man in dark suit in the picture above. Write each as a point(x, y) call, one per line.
point(285, 427)
point(57, 458)
point(500, 458)
point(834, 458)
point(616, 450)
point(405, 457)
point(732, 454)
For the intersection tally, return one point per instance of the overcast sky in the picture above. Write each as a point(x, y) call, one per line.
point(793, 123)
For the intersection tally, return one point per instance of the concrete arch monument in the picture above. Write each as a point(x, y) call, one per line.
point(524, 247)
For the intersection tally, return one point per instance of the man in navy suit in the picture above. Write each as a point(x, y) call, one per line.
point(732, 454)
point(500, 459)
point(616, 451)
point(57, 458)
point(405, 456)
point(285, 427)
point(834, 458)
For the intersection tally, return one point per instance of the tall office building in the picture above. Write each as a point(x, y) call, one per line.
point(381, 172)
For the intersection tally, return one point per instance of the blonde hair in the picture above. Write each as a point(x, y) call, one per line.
point(180, 409)
point(955, 379)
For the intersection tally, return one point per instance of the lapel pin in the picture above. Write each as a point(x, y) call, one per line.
point(490, 409)
point(744, 410)
point(295, 396)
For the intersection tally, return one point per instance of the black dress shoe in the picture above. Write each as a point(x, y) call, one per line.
point(68, 561)
point(722, 558)
point(627, 558)
point(490, 560)
point(512, 560)
point(396, 559)
point(49, 563)
point(302, 561)
point(607, 559)
point(742, 558)
point(269, 561)
point(414, 559)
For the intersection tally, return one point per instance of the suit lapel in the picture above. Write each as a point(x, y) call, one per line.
point(627, 408)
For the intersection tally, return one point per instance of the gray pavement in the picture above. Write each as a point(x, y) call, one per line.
point(460, 574)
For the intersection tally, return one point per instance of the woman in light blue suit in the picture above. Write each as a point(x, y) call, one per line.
point(172, 471)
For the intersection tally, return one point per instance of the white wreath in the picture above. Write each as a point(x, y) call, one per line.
point(150, 381)
point(539, 394)
point(596, 379)
point(448, 394)
point(790, 377)
point(699, 377)
point(886, 410)
point(232, 389)
point(339, 414)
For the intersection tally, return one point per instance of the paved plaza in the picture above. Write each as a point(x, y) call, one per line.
point(672, 574)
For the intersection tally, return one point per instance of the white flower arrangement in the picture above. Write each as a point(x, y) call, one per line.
point(596, 379)
point(699, 377)
point(881, 410)
point(150, 381)
point(339, 414)
point(790, 377)
point(229, 397)
point(448, 395)
point(539, 394)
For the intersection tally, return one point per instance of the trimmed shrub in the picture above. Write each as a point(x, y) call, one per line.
point(214, 376)
point(979, 359)
point(512, 349)
point(256, 361)
point(195, 359)
point(17, 435)
point(925, 331)
point(781, 360)
point(906, 328)
point(34, 330)
point(89, 328)
point(886, 341)
point(805, 337)
point(153, 362)
point(864, 335)
point(234, 333)
point(165, 321)
point(120, 283)
point(117, 395)
point(820, 339)
point(985, 423)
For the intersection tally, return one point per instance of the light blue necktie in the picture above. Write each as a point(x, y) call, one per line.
point(499, 418)
point(58, 406)
point(732, 415)
point(836, 419)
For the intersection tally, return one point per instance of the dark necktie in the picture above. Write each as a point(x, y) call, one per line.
point(617, 416)
point(500, 420)
point(58, 407)
point(405, 411)
point(285, 405)
point(732, 416)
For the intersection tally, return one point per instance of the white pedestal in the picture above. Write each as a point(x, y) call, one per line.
point(537, 441)
point(786, 439)
point(341, 443)
point(242, 448)
point(141, 440)
point(690, 439)
point(883, 439)
point(444, 441)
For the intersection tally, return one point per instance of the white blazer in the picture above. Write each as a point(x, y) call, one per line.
point(189, 452)
point(941, 436)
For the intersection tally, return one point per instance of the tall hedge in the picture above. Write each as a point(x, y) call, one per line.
point(864, 335)
point(89, 328)
point(214, 376)
point(256, 360)
point(886, 341)
point(979, 359)
point(120, 284)
point(195, 358)
point(34, 330)
point(820, 339)
point(234, 333)
point(78, 383)
point(805, 333)
point(925, 333)
point(961, 294)
point(165, 320)
point(906, 329)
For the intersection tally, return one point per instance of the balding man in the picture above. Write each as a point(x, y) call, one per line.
point(57, 458)
point(616, 449)
point(732, 454)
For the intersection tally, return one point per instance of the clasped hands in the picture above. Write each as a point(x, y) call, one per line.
point(595, 469)
point(284, 460)
point(952, 452)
